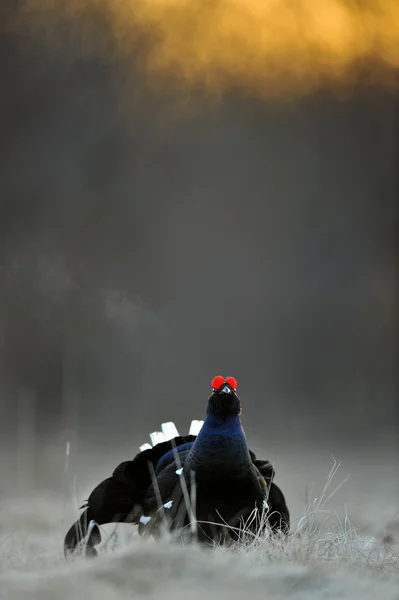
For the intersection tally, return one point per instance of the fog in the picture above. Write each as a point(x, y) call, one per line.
point(150, 240)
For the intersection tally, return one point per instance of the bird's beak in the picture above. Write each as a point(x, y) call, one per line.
point(226, 389)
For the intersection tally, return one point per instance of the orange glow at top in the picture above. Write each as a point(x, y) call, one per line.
point(269, 47)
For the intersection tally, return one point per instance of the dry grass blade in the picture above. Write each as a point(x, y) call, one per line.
point(187, 501)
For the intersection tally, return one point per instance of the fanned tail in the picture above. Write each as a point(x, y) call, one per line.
point(169, 432)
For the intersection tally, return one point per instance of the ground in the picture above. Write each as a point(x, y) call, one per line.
point(329, 555)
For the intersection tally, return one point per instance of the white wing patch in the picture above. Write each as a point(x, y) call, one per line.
point(144, 520)
point(169, 432)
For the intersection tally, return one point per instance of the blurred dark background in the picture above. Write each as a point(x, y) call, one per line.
point(143, 252)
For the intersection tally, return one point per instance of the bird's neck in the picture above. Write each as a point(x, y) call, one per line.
point(220, 446)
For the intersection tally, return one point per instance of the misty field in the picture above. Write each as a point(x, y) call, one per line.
point(325, 556)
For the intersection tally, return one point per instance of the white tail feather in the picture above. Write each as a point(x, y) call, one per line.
point(156, 437)
point(169, 431)
point(145, 447)
point(195, 427)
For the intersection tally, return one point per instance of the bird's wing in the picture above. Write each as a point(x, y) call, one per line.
point(119, 498)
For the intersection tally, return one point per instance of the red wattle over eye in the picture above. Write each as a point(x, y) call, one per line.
point(217, 382)
point(232, 382)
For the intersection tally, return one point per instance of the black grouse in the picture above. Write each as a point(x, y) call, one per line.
point(209, 485)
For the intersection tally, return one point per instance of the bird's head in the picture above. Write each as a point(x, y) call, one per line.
point(224, 401)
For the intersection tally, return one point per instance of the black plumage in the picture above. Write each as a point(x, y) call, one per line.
point(209, 485)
